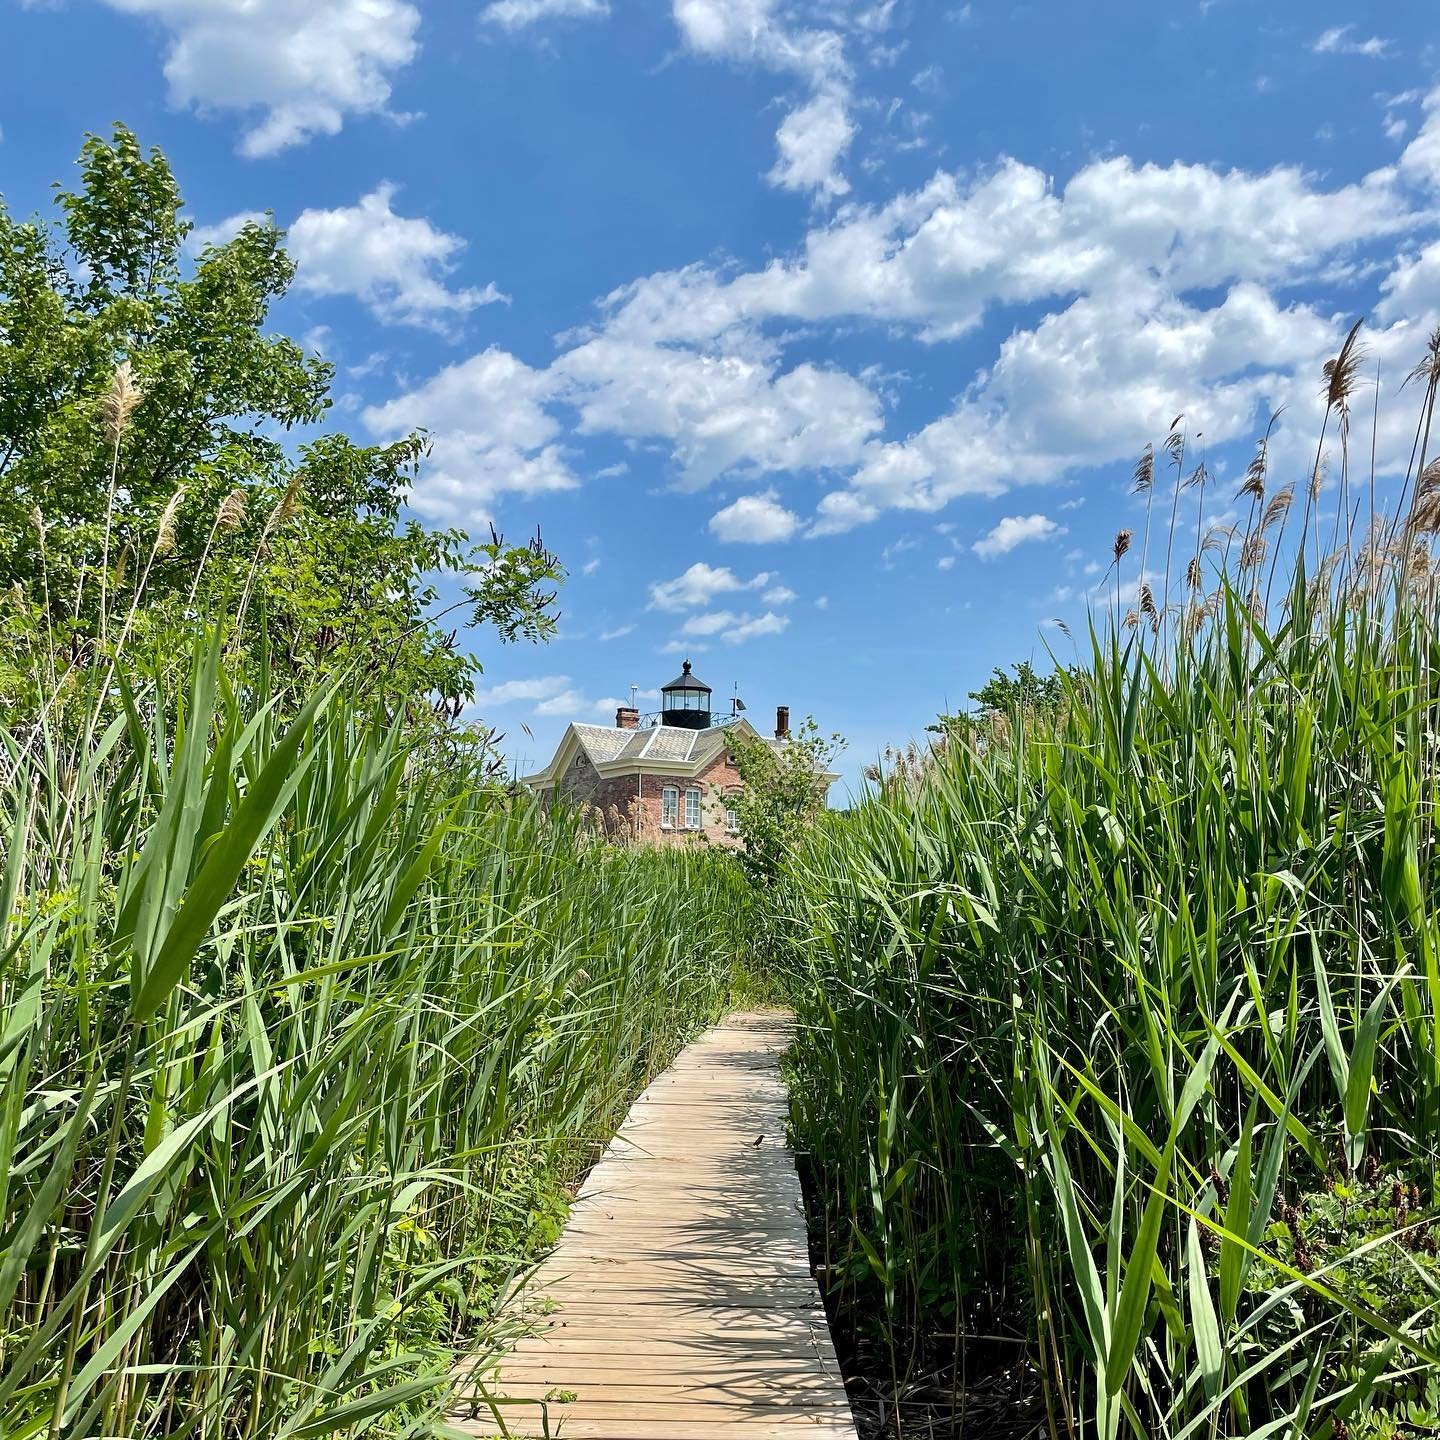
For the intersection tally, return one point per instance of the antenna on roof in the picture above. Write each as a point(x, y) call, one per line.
point(634, 692)
point(736, 703)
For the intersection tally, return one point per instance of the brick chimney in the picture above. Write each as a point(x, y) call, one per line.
point(782, 722)
point(627, 717)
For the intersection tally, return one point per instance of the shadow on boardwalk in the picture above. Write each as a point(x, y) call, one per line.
point(680, 1303)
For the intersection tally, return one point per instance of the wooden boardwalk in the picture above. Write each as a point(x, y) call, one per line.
point(679, 1304)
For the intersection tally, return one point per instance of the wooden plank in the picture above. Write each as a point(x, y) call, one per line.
point(679, 1304)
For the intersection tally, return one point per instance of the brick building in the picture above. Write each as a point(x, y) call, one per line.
point(668, 778)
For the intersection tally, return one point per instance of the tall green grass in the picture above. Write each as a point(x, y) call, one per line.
point(303, 1034)
point(1118, 1056)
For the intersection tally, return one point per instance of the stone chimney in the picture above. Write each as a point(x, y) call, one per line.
point(627, 717)
point(782, 722)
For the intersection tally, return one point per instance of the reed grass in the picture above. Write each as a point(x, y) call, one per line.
point(1118, 1057)
point(305, 1033)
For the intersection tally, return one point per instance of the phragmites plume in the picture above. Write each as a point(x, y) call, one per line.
point(119, 404)
point(1132, 619)
point(37, 522)
point(1145, 471)
point(165, 531)
point(1252, 552)
point(1254, 483)
point(1342, 374)
point(1145, 598)
point(1317, 477)
point(288, 507)
point(231, 513)
point(1417, 562)
point(122, 565)
point(1217, 537)
point(1425, 510)
point(1175, 442)
point(1328, 566)
point(1428, 369)
point(1426, 514)
point(1279, 504)
point(1194, 574)
point(1122, 544)
point(1198, 476)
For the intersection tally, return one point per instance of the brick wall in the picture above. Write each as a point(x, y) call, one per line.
point(633, 803)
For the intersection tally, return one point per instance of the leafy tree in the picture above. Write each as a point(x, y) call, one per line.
point(162, 466)
point(1021, 690)
point(784, 792)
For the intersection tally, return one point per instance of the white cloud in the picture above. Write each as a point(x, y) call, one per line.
point(1413, 286)
point(567, 702)
point(293, 68)
point(1087, 385)
point(750, 629)
point(1339, 41)
point(618, 633)
point(1164, 287)
point(223, 231)
point(490, 432)
point(1014, 530)
point(509, 692)
point(779, 595)
point(939, 258)
point(734, 629)
point(814, 136)
point(590, 567)
point(1420, 161)
point(945, 562)
point(394, 265)
point(720, 412)
point(811, 141)
point(755, 32)
point(517, 14)
point(700, 584)
point(754, 519)
point(841, 510)
point(550, 696)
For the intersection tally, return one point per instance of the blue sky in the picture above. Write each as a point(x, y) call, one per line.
point(819, 337)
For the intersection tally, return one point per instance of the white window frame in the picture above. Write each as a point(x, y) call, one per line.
point(669, 807)
point(732, 816)
point(694, 814)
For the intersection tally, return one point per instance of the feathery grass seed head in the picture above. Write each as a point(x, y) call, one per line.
point(120, 402)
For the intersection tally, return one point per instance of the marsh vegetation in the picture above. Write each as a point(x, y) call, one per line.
point(1117, 1079)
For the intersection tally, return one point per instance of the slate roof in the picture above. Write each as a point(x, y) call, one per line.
point(604, 743)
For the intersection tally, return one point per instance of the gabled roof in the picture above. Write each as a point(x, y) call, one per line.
point(600, 742)
point(614, 751)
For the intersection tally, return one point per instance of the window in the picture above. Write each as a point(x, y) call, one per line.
point(692, 809)
point(732, 816)
point(669, 807)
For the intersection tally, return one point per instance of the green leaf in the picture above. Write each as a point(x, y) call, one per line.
point(226, 858)
point(1203, 1321)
